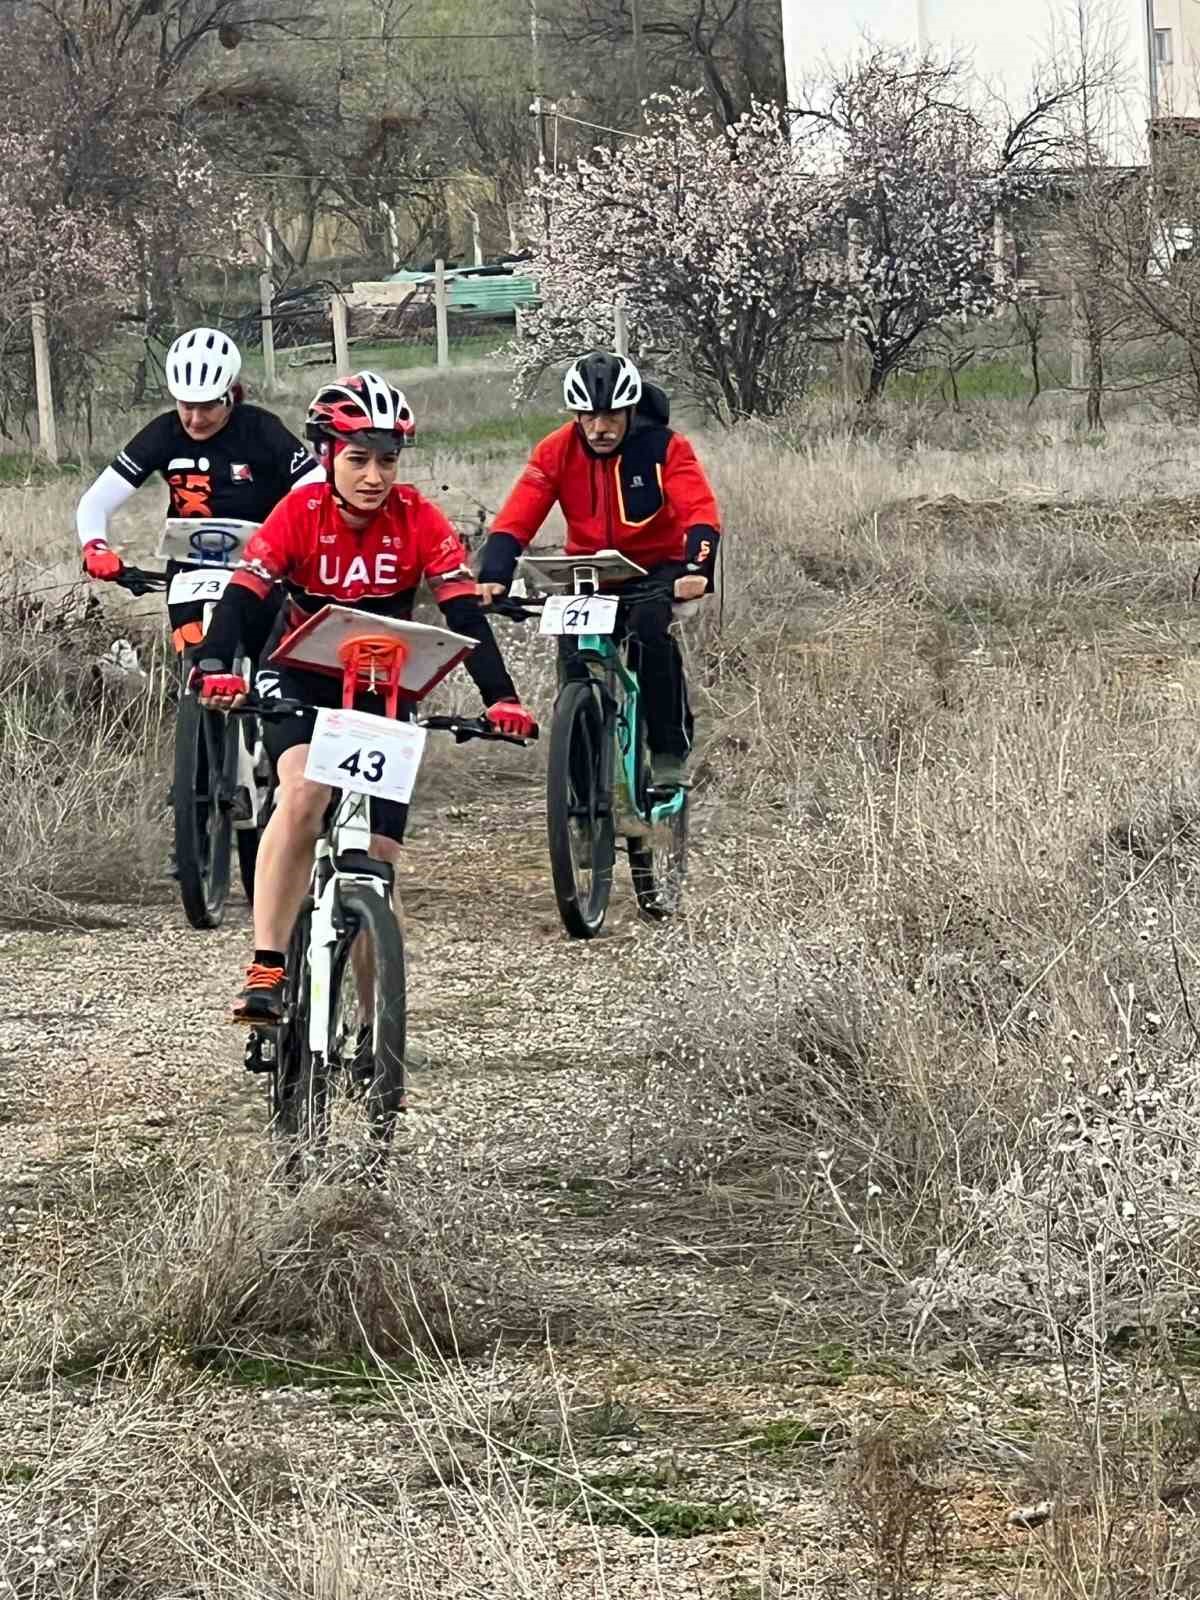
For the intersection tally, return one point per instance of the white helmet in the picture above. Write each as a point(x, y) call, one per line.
point(602, 381)
point(202, 364)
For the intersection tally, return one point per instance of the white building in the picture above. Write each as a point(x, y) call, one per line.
point(1157, 43)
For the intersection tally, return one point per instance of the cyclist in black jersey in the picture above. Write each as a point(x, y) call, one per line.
point(220, 457)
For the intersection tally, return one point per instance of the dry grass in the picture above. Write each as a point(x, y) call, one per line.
point(209, 1259)
point(916, 1075)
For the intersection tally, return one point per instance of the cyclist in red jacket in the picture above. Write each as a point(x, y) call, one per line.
point(361, 539)
point(625, 481)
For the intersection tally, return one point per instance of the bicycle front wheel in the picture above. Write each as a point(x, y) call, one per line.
point(369, 1015)
point(205, 763)
point(579, 817)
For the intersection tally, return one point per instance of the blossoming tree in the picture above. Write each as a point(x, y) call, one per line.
point(714, 239)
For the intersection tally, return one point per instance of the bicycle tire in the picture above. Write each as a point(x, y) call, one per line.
point(382, 1073)
point(205, 762)
point(657, 859)
point(658, 862)
point(311, 1085)
point(574, 825)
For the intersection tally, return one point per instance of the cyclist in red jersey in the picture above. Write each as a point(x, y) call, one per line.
point(624, 481)
point(361, 539)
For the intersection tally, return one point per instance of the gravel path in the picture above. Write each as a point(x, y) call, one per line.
point(114, 1051)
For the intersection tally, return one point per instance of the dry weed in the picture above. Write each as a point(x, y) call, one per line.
point(204, 1258)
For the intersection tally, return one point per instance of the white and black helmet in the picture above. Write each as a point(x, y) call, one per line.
point(202, 364)
point(602, 381)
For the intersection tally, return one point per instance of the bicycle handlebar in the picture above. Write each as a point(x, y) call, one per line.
point(514, 608)
point(140, 580)
point(463, 728)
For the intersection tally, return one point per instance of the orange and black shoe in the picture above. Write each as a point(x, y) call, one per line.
point(261, 1001)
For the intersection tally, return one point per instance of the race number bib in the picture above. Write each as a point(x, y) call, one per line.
point(366, 754)
point(188, 587)
point(579, 613)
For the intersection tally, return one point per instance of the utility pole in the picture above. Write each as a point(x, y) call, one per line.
point(639, 60)
point(539, 115)
point(535, 48)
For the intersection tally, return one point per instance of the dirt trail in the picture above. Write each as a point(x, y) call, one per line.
point(114, 1049)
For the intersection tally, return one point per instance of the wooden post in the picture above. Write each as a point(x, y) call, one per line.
point(266, 299)
point(47, 427)
point(443, 331)
point(620, 329)
point(341, 335)
point(1077, 340)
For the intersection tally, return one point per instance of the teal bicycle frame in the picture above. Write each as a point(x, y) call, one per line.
point(628, 711)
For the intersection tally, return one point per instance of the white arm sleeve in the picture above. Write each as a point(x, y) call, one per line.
point(317, 475)
point(109, 491)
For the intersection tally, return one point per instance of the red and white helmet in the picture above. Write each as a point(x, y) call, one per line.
point(363, 407)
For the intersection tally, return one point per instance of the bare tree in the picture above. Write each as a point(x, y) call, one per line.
point(93, 33)
point(733, 49)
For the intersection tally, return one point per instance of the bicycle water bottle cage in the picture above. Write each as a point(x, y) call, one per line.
point(374, 663)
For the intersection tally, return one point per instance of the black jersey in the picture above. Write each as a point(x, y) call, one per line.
point(242, 472)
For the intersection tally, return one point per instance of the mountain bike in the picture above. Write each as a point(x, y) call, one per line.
point(219, 782)
point(335, 1063)
point(598, 777)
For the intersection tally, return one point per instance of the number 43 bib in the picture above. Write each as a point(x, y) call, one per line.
point(366, 754)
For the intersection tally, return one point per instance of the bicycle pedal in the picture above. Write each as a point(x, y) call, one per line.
point(261, 1053)
point(658, 793)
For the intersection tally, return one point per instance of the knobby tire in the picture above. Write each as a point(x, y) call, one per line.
point(576, 826)
point(205, 762)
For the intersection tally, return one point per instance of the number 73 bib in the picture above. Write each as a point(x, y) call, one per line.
point(365, 754)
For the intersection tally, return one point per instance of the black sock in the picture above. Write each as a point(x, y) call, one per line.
point(270, 958)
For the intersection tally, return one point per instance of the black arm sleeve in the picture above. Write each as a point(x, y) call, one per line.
point(500, 556)
point(240, 619)
point(485, 663)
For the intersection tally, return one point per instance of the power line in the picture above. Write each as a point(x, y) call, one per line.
point(388, 38)
point(599, 127)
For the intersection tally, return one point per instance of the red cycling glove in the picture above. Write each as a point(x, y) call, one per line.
point(210, 683)
point(511, 717)
point(101, 562)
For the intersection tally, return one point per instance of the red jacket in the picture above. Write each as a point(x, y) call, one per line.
point(306, 544)
point(641, 501)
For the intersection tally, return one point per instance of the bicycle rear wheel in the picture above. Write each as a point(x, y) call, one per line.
point(205, 765)
point(579, 820)
point(658, 861)
point(657, 856)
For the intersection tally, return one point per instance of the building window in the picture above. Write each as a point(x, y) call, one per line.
point(1162, 47)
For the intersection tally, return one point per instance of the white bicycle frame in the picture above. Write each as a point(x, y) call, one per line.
point(217, 543)
point(350, 830)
